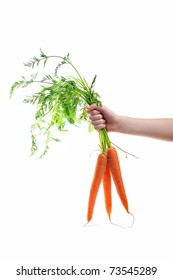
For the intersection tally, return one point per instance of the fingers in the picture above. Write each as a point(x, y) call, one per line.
point(98, 122)
point(99, 126)
point(93, 110)
point(96, 117)
point(93, 114)
point(94, 107)
point(91, 107)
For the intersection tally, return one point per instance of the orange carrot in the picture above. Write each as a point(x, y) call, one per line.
point(107, 189)
point(97, 178)
point(117, 176)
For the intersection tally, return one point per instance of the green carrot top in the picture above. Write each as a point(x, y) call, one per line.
point(59, 101)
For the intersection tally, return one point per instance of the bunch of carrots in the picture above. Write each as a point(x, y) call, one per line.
point(107, 168)
point(62, 100)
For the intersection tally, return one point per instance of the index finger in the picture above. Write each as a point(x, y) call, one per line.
point(91, 107)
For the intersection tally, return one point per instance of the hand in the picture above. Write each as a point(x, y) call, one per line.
point(102, 117)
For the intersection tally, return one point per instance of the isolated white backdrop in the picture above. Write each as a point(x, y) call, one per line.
point(43, 203)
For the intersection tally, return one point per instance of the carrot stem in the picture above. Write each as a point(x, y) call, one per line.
point(104, 140)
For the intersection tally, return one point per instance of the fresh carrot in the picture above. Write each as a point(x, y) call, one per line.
point(107, 189)
point(117, 176)
point(97, 178)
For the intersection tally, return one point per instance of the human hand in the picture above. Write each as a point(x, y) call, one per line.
point(102, 117)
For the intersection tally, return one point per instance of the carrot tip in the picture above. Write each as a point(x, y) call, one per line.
point(88, 225)
point(133, 219)
point(116, 224)
point(85, 225)
point(122, 226)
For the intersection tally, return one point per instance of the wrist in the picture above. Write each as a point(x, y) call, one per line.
point(116, 124)
point(125, 124)
point(120, 124)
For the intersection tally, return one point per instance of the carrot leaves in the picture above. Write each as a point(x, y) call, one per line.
point(59, 100)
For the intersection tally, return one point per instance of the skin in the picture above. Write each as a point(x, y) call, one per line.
point(103, 117)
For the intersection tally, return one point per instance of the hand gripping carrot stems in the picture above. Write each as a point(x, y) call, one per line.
point(62, 100)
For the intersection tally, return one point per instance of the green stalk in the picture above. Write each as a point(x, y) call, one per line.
point(104, 140)
point(103, 135)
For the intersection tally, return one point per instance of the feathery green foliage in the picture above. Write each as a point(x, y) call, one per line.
point(59, 101)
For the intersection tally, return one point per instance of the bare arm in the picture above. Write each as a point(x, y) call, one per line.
point(161, 128)
point(155, 128)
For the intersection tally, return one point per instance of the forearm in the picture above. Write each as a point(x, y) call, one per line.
point(156, 128)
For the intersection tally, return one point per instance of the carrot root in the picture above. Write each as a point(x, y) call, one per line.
point(123, 226)
point(133, 219)
point(107, 167)
point(117, 176)
point(89, 225)
point(107, 189)
point(97, 178)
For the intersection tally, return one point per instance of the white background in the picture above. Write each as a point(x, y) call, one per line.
point(43, 203)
